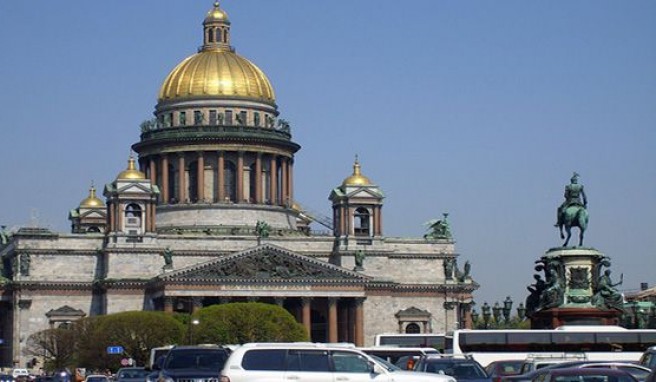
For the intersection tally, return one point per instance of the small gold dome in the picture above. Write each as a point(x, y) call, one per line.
point(131, 172)
point(357, 179)
point(92, 201)
point(217, 14)
point(216, 72)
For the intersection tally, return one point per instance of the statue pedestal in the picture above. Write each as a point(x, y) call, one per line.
point(571, 294)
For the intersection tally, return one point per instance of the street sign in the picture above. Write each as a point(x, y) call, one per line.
point(114, 349)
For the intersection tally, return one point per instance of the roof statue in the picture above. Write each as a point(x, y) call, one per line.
point(4, 235)
point(439, 229)
point(573, 211)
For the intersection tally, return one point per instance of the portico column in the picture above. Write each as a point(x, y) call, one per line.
point(274, 181)
point(221, 176)
point(283, 175)
point(201, 177)
point(119, 216)
point(258, 178)
point(359, 322)
point(240, 177)
point(182, 195)
point(168, 304)
point(332, 319)
point(112, 218)
point(165, 179)
point(307, 317)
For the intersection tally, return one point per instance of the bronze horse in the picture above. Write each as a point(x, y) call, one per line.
point(573, 216)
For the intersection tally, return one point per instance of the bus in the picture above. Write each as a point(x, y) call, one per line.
point(415, 340)
point(605, 343)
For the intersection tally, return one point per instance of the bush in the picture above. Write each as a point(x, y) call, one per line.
point(238, 323)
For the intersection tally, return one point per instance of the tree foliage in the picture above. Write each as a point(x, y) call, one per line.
point(238, 323)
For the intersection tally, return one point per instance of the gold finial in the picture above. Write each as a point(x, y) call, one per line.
point(357, 179)
point(92, 200)
point(131, 172)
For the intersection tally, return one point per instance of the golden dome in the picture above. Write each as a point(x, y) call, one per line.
point(217, 14)
point(92, 201)
point(131, 172)
point(357, 179)
point(216, 72)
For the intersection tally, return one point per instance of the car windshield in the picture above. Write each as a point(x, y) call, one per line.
point(460, 370)
point(132, 373)
point(205, 359)
point(385, 364)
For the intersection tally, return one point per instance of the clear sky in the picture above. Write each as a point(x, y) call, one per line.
point(482, 109)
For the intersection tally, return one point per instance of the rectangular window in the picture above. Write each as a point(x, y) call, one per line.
point(213, 117)
point(198, 117)
point(242, 118)
point(228, 117)
point(182, 118)
point(308, 360)
point(256, 119)
point(264, 360)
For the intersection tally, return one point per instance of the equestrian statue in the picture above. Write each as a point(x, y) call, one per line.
point(573, 211)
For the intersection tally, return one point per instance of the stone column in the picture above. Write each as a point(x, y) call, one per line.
point(165, 179)
point(359, 322)
point(240, 177)
point(221, 175)
point(201, 177)
point(146, 218)
point(182, 194)
point(380, 220)
point(283, 180)
point(152, 171)
point(112, 217)
point(307, 315)
point(332, 320)
point(119, 216)
point(258, 178)
point(168, 304)
point(273, 187)
point(290, 175)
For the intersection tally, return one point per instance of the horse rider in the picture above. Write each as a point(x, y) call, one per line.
point(574, 196)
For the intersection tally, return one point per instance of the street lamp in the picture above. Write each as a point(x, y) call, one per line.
point(496, 312)
point(190, 331)
point(507, 308)
point(521, 311)
point(486, 314)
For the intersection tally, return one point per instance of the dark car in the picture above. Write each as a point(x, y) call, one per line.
point(533, 374)
point(192, 363)
point(498, 369)
point(585, 375)
point(132, 374)
point(462, 369)
point(6, 378)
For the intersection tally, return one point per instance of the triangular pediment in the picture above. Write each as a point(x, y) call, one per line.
point(412, 312)
point(134, 188)
point(364, 192)
point(65, 311)
point(93, 214)
point(265, 264)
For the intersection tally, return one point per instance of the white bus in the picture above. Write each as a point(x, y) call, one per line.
point(607, 343)
point(418, 340)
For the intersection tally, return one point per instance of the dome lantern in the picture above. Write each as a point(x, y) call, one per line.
point(92, 201)
point(131, 172)
point(216, 29)
point(356, 179)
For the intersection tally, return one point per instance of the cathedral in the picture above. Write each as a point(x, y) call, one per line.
point(204, 213)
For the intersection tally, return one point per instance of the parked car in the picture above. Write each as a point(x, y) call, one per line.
point(585, 375)
point(639, 372)
point(131, 374)
point(316, 363)
point(6, 378)
point(97, 378)
point(402, 357)
point(462, 369)
point(526, 377)
point(498, 369)
point(202, 363)
point(648, 358)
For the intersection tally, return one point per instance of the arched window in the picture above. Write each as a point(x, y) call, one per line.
point(133, 215)
point(412, 328)
point(252, 189)
point(218, 35)
point(210, 35)
point(361, 222)
point(193, 182)
point(230, 181)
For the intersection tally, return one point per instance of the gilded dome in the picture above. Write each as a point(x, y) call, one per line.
point(131, 172)
point(92, 201)
point(356, 179)
point(216, 72)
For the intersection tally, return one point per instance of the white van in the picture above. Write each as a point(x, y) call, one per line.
point(268, 362)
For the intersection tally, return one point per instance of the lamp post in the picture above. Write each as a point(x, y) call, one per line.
point(190, 330)
point(486, 314)
point(496, 312)
point(507, 308)
point(521, 311)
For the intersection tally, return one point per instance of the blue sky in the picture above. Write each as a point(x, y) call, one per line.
point(477, 108)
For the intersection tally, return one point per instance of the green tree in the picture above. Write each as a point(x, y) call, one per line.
point(55, 346)
point(238, 323)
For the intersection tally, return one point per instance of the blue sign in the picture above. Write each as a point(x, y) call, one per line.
point(114, 349)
